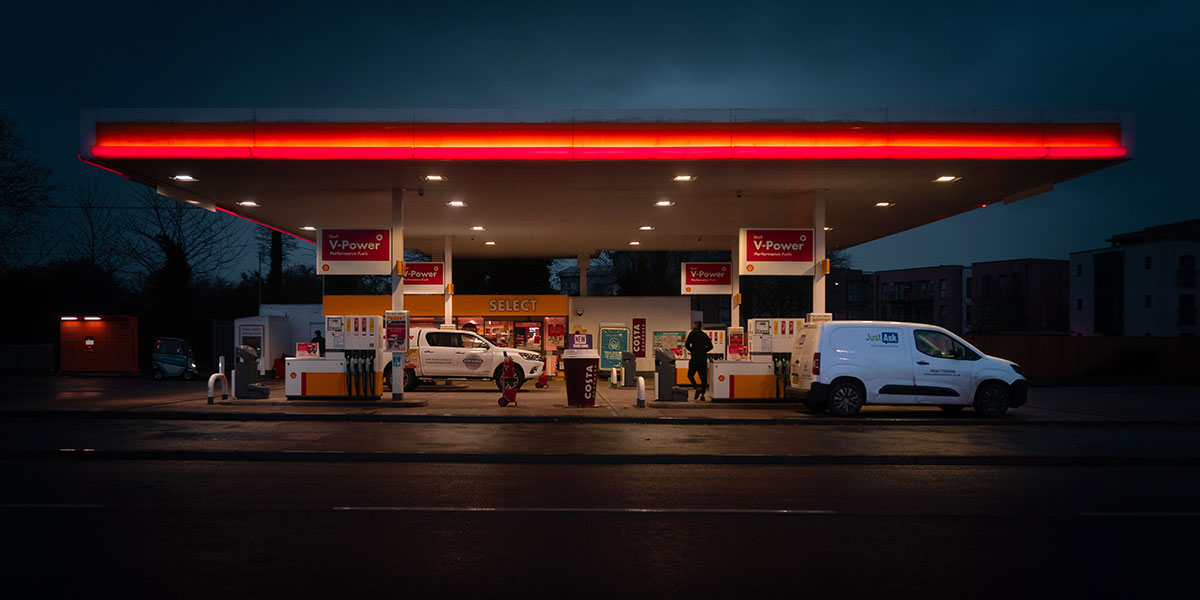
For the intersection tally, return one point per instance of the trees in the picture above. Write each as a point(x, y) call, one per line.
point(24, 191)
point(208, 242)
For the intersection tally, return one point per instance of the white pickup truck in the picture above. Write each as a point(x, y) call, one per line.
point(458, 354)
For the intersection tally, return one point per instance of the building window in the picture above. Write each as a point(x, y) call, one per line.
point(968, 287)
point(1079, 270)
point(1187, 309)
point(1187, 270)
point(942, 315)
point(1000, 285)
point(942, 289)
point(1079, 304)
point(1148, 300)
point(986, 288)
point(1149, 263)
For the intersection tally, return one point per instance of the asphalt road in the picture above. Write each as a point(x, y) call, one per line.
point(299, 509)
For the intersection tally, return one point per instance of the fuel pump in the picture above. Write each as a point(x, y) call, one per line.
point(348, 369)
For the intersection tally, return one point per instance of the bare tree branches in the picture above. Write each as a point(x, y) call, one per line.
point(24, 191)
point(94, 235)
point(210, 243)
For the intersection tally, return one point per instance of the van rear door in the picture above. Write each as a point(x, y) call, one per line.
point(803, 346)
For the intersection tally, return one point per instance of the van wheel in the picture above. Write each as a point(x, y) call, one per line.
point(497, 376)
point(410, 380)
point(991, 399)
point(952, 408)
point(846, 398)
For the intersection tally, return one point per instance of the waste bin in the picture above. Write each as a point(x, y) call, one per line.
point(664, 367)
point(583, 370)
point(245, 375)
point(629, 364)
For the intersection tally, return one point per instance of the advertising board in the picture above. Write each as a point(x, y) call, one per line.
point(424, 278)
point(613, 342)
point(705, 278)
point(775, 251)
point(354, 252)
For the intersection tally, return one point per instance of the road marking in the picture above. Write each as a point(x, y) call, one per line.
point(499, 509)
point(1139, 514)
point(2, 506)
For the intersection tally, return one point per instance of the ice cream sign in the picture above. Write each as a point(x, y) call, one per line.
point(424, 278)
point(775, 252)
point(706, 278)
point(354, 252)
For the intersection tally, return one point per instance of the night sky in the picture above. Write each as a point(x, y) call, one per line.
point(1145, 56)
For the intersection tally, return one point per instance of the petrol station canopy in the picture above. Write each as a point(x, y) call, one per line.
point(558, 183)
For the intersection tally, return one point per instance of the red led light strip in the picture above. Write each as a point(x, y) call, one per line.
point(662, 141)
point(230, 212)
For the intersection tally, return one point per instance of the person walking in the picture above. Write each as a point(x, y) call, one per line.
point(698, 346)
point(319, 340)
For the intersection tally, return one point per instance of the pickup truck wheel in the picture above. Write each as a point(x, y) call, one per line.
point(410, 380)
point(846, 398)
point(991, 400)
point(497, 376)
point(387, 377)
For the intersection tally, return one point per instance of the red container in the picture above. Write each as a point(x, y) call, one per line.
point(98, 344)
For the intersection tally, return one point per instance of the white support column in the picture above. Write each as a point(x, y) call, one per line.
point(397, 248)
point(582, 262)
point(735, 309)
point(447, 270)
point(818, 285)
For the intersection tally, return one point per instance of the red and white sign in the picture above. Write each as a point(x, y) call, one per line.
point(705, 278)
point(638, 335)
point(776, 252)
point(354, 252)
point(424, 278)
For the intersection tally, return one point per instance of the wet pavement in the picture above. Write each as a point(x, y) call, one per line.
point(131, 396)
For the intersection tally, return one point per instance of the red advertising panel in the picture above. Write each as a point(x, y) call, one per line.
point(776, 252)
point(424, 278)
point(706, 278)
point(638, 335)
point(354, 252)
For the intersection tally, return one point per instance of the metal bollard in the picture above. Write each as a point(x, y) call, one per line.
point(218, 376)
point(612, 377)
point(641, 392)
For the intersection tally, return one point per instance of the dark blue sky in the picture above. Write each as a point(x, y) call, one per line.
point(1143, 56)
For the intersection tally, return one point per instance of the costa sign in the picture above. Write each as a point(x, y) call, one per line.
point(775, 252)
point(354, 252)
point(706, 278)
point(638, 338)
point(424, 278)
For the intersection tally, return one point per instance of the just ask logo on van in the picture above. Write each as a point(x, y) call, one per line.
point(886, 337)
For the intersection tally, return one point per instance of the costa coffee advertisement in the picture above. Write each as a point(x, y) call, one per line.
point(705, 278)
point(354, 252)
point(776, 252)
point(424, 278)
point(638, 338)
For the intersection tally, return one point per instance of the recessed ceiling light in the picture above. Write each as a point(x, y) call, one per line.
point(91, 318)
point(884, 204)
point(248, 203)
point(646, 228)
point(308, 228)
point(70, 318)
point(478, 228)
point(946, 179)
point(665, 203)
point(456, 203)
point(685, 178)
point(434, 178)
point(828, 229)
point(184, 178)
point(489, 243)
point(192, 201)
point(635, 243)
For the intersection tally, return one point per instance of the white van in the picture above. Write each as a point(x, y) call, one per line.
point(842, 365)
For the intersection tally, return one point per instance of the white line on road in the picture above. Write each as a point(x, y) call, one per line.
point(2, 506)
point(498, 509)
point(1139, 514)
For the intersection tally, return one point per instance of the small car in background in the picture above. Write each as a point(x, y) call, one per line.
point(173, 358)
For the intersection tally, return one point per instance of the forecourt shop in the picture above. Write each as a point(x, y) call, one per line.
point(774, 187)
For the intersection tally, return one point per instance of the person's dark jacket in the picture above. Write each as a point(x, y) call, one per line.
point(698, 344)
